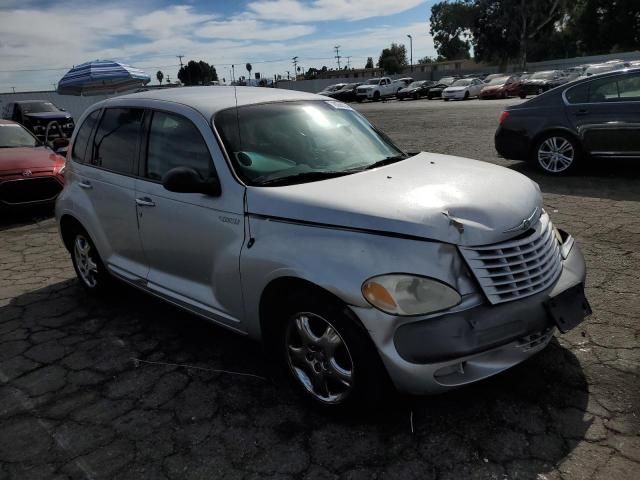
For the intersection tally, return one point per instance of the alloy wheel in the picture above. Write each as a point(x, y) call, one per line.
point(87, 266)
point(556, 154)
point(319, 358)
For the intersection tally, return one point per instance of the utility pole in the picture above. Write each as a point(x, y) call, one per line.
point(180, 57)
point(295, 67)
point(14, 89)
point(411, 49)
point(337, 48)
point(348, 62)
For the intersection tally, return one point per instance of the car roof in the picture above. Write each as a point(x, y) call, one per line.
point(31, 101)
point(210, 100)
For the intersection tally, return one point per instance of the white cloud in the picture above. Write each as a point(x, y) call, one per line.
point(320, 10)
point(251, 29)
point(43, 38)
point(169, 21)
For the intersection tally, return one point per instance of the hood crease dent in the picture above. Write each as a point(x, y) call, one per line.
point(431, 196)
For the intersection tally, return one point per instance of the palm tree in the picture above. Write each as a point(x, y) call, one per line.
point(160, 76)
point(249, 67)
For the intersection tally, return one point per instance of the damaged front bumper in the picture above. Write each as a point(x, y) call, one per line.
point(435, 354)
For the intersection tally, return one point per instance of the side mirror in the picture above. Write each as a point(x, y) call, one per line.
point(187, 180)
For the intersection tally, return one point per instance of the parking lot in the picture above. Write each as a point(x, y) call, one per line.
point(128, 387)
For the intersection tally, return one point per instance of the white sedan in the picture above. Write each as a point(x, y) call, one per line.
point(463, 89)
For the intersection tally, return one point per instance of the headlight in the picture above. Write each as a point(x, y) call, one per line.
point(404, 295)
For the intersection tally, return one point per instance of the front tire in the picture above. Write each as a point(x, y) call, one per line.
point(329, 358)
point(557, 154)
point(376, 96)
point(91, 272)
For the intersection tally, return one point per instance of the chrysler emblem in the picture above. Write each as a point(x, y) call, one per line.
point(526, 223)
point(27, 173)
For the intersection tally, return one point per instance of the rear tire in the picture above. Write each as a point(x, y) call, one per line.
point(557, 154)
point(92, 274)
point(329, 358)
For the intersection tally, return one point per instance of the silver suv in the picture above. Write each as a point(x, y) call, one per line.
point(288, 217)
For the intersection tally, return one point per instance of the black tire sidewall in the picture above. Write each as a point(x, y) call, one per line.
point(103, 278)
point(370, 379)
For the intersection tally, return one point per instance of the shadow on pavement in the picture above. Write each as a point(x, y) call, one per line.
point(11, 218)
point(614, 179)
point(75, 400)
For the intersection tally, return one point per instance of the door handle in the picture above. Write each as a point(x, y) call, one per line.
point(582, 111)
point(145, 202)
point(85, 184)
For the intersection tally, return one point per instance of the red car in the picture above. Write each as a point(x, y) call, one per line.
point(501, 87)
point(30, 173)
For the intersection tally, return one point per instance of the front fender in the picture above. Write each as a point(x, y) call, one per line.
point(338, 260)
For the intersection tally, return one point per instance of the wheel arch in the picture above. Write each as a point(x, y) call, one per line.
point(68, 224)
point(276, 292)
point(549, 131)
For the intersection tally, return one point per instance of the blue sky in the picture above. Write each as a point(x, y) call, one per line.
point(40, 39)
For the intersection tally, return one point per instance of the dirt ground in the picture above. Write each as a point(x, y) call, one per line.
point(79, 398)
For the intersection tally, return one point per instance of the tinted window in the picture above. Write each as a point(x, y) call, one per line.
point(579, 94)
point(629, 87)
point(38, 107)
point(115, 143)
point(603, 90)
point(175, 142)
point(82, 138)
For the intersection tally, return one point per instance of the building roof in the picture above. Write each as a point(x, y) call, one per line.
point(211, 99)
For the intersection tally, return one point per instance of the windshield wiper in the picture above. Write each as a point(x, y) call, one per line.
point(303, 177)
point(386, 161)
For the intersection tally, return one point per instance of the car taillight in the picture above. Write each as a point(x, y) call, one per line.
point(503, 116)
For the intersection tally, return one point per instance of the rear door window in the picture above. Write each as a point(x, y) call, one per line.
point(629, 88)
point(604, 90)
point(115, 144)
point(82, 138)
point(174, 141)
point(578, 94)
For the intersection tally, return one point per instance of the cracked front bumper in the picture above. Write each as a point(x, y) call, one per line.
point(434, 354)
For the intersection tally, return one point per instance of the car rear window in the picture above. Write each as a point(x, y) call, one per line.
point(82, 138)
point(116, 140)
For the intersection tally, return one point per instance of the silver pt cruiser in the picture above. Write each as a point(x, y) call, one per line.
point(289, 218)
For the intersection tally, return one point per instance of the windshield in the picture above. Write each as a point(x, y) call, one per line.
point(373, 81)
point(542, 76)
point(38, 107)
point(446, 80)
point(461, 83)
point(416, 84)
point(498, 81)
point(278, 140)
point(12, 135)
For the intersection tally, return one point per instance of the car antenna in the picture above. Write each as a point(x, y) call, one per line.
point(246, 206)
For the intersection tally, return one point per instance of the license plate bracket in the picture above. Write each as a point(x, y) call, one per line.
point(569, 308)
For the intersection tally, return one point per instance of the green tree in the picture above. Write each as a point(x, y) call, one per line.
point(248, 67)
point(369, 63)
point(160, 76)
point(393, 59)
point(197, 73)
point(451, 26)
point(427, 59)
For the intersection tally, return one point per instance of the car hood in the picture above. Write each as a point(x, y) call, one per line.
point(490, 88)
point(49, 115)
point(25, 158)
point(368, 87)
point(455, 89)
point(408, 90)
point(431, 196)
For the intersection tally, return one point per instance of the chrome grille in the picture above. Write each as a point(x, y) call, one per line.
point(519, 267)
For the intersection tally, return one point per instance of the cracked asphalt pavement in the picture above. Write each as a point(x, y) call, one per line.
point(96, 388)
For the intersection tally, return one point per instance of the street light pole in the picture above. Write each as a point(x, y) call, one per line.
point(411, 49)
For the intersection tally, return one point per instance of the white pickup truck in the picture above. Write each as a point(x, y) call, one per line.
point(376, 88)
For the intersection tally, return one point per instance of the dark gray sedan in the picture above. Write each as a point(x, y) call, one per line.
point(598, 116)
